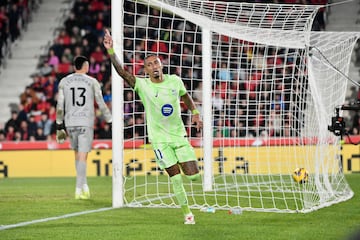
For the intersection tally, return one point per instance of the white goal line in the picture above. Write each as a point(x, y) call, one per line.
point(22, 224)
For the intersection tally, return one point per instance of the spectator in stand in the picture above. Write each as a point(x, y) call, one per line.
point(94, 67)
point(12, 122)
point(22, 115)
point(64, 39)
point(45, 123)
point(99, 24)
point(24, 131)
point(129, 127)
point(36, 84)
point(98, 55)
point(137, 63)
point(224, 73)
point(63, 68)
point(197, 93)
point(278, 100)
point(53, 60)
point(4, 24)
point(40, 136)
point(50, 87)
point(129, 104)
point(32, 125)
point(96, 6)
point(86, 48)
point(159, 47)
point(220, 128)
point(2, 135)
point(17, 136)
point(10, 133)
point(52, 113)
point(78, 50)
point(105, 132)
point(71, 22)
point(68, 54)
point(29, 100)
point(108, 96)
point(140, 129)
point(240, 127)
point(275, 122)
point(217, 102)
point(287, 130)
point(30, 105)
point(43, 105)
point(14, 17)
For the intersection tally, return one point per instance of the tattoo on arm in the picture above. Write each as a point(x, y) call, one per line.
point(128, 77)
point(188, 101)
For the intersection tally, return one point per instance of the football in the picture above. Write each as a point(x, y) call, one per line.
point(300, 175)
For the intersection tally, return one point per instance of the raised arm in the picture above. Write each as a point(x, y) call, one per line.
point(108, 44)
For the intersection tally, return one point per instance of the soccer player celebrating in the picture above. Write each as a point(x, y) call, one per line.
point(160, 94)
point(75, 105)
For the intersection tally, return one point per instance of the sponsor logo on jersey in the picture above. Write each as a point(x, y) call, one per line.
point(167, 110)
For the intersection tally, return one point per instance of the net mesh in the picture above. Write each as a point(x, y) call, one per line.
point(273, 93)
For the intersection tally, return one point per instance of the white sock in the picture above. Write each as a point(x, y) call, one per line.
point(85, 188)
point(78, 179)
point(81, 174)
point(78, 191)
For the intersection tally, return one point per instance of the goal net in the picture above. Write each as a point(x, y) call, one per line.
point(267, 88)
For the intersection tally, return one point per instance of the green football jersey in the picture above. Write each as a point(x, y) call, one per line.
point(162, 107)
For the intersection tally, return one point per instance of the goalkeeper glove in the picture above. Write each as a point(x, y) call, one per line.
point(60, 133)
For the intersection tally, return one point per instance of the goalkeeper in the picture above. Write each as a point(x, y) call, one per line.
point(160, 95)
point(75, 105)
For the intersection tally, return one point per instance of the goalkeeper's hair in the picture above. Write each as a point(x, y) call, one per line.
point(79, 62)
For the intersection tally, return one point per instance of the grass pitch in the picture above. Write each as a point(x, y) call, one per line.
point(31, 199)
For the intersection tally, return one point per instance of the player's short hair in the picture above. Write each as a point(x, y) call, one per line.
point(79, 61)
point(150, 55)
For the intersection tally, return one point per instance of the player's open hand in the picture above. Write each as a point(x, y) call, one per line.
point(108, 41)
point(197, 121)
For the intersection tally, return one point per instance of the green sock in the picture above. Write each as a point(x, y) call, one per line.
point(180, 194)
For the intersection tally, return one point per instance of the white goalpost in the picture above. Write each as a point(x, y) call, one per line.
point(267, 88)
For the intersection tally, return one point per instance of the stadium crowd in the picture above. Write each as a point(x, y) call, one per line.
point(14, 17)
point(82, 34)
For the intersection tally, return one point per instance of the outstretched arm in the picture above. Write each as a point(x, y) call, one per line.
point(108, 44)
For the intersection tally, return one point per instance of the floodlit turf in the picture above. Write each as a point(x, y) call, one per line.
point(30, 199)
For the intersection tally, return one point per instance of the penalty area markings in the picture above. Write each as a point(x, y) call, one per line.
point(21, 224)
